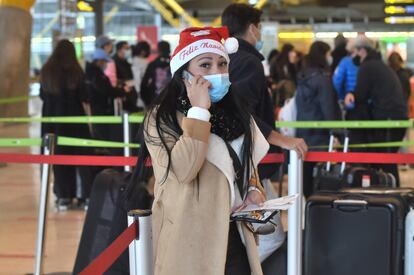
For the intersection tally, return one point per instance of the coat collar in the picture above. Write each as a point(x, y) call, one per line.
point(247, 47)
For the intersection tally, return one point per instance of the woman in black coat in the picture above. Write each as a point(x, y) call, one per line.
point(63, 93)
point(315, 101)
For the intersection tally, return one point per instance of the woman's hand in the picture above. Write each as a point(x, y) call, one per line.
point(197, 91)
point(253, 197)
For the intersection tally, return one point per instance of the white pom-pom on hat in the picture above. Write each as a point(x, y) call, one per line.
point(231, 45)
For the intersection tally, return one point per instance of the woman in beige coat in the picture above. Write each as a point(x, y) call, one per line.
point(187, 132)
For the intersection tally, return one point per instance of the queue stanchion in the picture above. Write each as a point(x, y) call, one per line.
point(126, 130)
point(295, 179)
point(118, 108)
point(140, 250)
point(49, 142)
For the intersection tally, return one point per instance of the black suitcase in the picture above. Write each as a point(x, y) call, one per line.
point(354, 234)
point(106, 218)
point(333, 177)
point(367, 177)
point(404, 194)
point(328, 176)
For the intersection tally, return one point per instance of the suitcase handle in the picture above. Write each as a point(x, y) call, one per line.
point(339, 204)
point(353, 202)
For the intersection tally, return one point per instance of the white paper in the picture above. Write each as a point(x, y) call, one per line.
point(282, 203)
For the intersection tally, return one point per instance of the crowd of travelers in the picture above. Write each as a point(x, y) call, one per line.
point(209, 100)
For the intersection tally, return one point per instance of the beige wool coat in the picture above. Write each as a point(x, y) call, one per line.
point(191, 210)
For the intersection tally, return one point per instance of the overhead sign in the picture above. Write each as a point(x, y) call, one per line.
point(391, 2)
point(399, 11)
point(84, 6)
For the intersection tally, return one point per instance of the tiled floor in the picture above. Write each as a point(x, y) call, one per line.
point(19, 194)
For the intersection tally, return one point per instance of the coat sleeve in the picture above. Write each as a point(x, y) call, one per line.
point(327, 99)
point(362, 88)
point(338, 79)
point(104, 87)
point(250, 83)
point(188, 153)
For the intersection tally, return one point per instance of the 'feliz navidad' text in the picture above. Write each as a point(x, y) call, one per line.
point(204, 45)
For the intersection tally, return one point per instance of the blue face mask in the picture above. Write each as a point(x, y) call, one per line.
point(220, 84)
point(259, 45)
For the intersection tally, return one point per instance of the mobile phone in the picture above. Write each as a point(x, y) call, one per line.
point(188, 76)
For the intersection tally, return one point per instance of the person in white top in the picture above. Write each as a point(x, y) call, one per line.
point(140, 53)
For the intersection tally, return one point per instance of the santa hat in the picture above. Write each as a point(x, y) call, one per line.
point(196, 41)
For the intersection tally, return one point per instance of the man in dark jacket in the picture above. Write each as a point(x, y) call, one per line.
point(157, 74)
point(249, 81)
point(124, 75)
point(378, 96)
point(101, 92)
point(247, 73)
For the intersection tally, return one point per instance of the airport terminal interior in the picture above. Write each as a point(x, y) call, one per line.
point(298, 40)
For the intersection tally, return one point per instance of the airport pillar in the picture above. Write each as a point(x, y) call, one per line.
point(15, 34)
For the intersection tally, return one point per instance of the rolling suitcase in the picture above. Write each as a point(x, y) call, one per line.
point(329, 177)
point(106, 218)
point(333, 177)
point(354, 234)
point(406, 195)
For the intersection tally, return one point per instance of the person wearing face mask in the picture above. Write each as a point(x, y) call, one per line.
point(378, 95)
point(101, 91)
point(120, 73)
point(315, 101)
point(247, 74)
point(193, 131)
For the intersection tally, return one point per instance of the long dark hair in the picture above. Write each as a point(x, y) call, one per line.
point(62, 69)
point(317, 56)
point(283, 57)
point(164, 111)
point(278, 65)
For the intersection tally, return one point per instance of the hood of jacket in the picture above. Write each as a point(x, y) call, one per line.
point(309, 74)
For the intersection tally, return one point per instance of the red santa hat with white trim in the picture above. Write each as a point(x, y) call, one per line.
point(196, 41)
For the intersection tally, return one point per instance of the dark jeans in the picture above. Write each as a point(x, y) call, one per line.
point(68, 178)
point(237, 262)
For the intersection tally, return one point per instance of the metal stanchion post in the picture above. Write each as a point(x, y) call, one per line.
point(295, 216)
point(140, 250)
point(48, 149)
point(125, 124)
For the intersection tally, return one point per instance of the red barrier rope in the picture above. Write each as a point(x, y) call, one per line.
point(393, 158)
point(69, 160)
point(112, 252)
point(94, 160)
point(383, 158)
